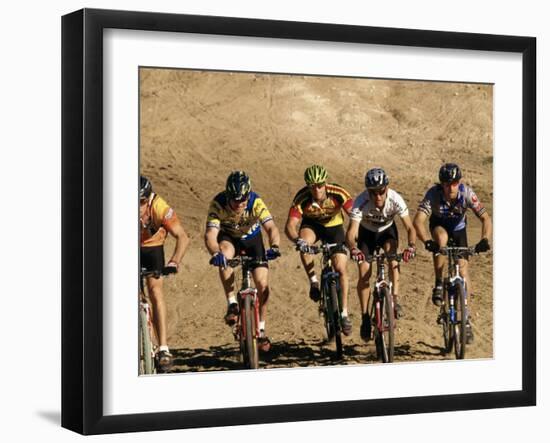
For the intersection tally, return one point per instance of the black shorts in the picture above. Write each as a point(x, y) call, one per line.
point(152, 259)
point(456, 238)
point(369, 241)
point(252, 247)
point(333, 234)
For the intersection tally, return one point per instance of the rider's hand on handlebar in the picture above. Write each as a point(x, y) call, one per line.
point(431, 246)
point(482, 246)
point(357, 255)
point(218, 259)
point(173, 267)
point(302, 245)
point(273, 252)
point(409, 253)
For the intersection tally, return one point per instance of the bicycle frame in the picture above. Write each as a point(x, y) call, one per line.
point(247, 296)
point(330, 306)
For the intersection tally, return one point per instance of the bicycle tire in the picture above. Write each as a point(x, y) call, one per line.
point(462, 318)
point(327, 318)
point(446, 326)
point(335, 314)
point(251, 339)
point(147, 364)
point(387, 334)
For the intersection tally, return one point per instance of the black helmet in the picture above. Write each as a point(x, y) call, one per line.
point(376, 178)
point(145, 187)
point(238, 185)
point(449, 172)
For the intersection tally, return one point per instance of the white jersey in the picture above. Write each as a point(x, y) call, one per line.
point(374, 219)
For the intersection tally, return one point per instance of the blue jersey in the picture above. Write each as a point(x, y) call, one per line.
point(450, 215)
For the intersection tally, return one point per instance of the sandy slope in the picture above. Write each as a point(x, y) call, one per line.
point(197, 127)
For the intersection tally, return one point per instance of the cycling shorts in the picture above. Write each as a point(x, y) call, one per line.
point(456, 238)
point(369, 241)
point(252, 247)
point(332, 234)
point(152, 258)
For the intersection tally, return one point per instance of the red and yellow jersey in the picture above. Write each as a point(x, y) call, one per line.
point(156, 221)
point(329, 212)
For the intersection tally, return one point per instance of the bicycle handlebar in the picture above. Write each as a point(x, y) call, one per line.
point(167, 270)
point(234, 262)
point(458, 251)
point(382, 255)
point(324, 248)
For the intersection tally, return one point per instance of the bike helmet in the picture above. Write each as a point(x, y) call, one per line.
point(315, 175)
point(449, 172)
point(376, 178)
point(145, 187)
point(238, 185)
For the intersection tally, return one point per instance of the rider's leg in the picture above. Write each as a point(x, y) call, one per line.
point(154, 286)
point(340, 262)
point(441, 237)
point(363, 290)
point(227, 277)
point(390, 247)
point(308, 234)
point(260, 276)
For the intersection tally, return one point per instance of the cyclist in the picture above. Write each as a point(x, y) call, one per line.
point(156, 219)
point(372, 226)
point(316, 214)
point(446, 204)
point(234, 223)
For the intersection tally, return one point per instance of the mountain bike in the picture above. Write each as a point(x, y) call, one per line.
point(247, 328)
point(331, 294)
point(148, 338)
point(382, 312)
point(453, 314)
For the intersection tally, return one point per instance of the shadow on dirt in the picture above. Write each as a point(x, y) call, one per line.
point(281, 355)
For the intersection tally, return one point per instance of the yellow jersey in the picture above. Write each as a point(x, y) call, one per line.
point(239, 226)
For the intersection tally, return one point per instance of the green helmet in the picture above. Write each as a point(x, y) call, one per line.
point(238, 185)
point(315, 175)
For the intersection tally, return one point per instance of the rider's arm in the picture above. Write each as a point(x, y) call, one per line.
point(411, 232)
point(211, 240)
point(351, 234)
point(291, 228)
point(272, 233)
point(182, 240)
point(486, 226)
point(419, 223)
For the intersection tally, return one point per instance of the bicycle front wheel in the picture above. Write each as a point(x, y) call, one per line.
point(250, 334)
point(146, 363)
point(461, 320)
point(336, 318)
point(445, 322)
point(387, 326)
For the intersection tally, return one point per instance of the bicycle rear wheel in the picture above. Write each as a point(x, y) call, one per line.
point(252, 358)
point(387, 326)
point(146, 363)
point(461, 320)
point(336, 318)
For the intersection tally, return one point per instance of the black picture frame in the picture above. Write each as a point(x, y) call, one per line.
point(82, 231)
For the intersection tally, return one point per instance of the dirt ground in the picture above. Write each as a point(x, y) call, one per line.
point(196, 127)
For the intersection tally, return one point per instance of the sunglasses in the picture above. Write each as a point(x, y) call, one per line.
point(377, 191)
point(317, 185)
point(240, 200)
